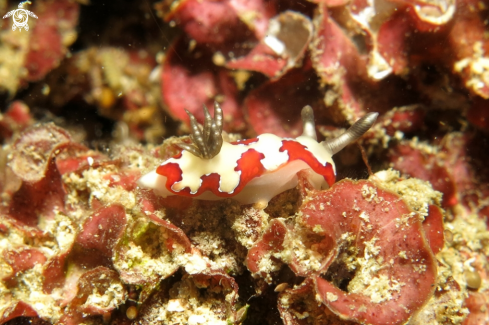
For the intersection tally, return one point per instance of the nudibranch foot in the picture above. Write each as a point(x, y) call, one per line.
point(249, 171)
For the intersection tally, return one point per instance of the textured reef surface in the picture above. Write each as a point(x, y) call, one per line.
point(93, 96)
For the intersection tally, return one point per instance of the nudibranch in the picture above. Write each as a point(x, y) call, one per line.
point(252, 170)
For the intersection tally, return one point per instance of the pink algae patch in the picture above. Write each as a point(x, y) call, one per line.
point(293, 32)
point(262, 59)
point(478, 304)
point(33, 164)
point(426, 166)
point(391, 38)
point(91, 286)
point(42, 154)
point(103, 229)
point(19, 309)
point(300, 300)
point(76, 158)
point(188, 84)
point(92, 248)
point(216, 22)
point(54, 272)
point(433, 227)
point(127, 180)
point(275, 106)
point(150, 202)
point(23, 259)
point(35, 148)
point(216, 289)
point(271, 241)
point(395, 269)
point(20, 260)
point(174, 235)
point(16, 118)
point(47, 49)
point(469, 46)
point(333, 48)
point(408, 119)
point(171, 242)
point(478, 114)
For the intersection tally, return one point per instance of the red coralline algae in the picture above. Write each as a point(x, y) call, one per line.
point(470, 48)
point(299, 304)
point(360, 248)
point(333, 47)
point(271, 106)
point(19, 309)
point(344, 288)
point(449, 170)
point(41, 190)
point(404, 119)
point(212, 22)
point(216, 22)
point(271, 242)
point(133, 270)
point(379, 263)
point(478, 114)
point(433, 228)
point(190, 85)
point(391, 38)
point(215, 291)
point(176, 237)
point(34, 151)
point(261, 59)
point(99, 291)
point(478, 305)
point(32, 55)
point(16, 118)
point(52, 34)
point(20, 260)
point(282, 48)
point(425, 165)
point(54, 271)
point(102, 230)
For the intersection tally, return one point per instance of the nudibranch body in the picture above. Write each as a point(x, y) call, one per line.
point(249, 171)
